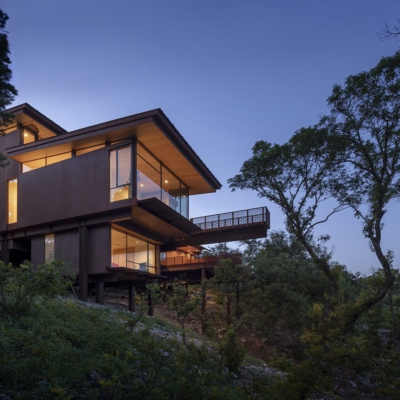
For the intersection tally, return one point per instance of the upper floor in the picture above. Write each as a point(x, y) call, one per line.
point(55, 175)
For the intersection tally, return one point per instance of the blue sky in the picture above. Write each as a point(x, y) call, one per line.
point(227, 73)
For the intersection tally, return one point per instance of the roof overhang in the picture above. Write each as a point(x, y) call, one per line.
point(152, 128)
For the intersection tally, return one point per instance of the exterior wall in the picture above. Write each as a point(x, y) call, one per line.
point(9, 172)
point(37, 250)
point(99, 249)
point(68, 189)
point(66, 246)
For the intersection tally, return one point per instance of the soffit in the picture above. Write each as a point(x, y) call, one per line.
point(168, 147)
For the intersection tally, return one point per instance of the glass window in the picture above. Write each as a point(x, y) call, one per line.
point(49, 248)
point(35, 164)
point(184, 200)
point(12, 201)
point(118, 249)
point(128, 251)
point(155, 180)
point(171, 189)
point(58, 158)
point(42, 162)
point(27, 137)
point(88, 150)
point(120, 174)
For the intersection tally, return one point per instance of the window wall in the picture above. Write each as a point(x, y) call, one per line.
point(12, 201)
point(128, 251)
point(120, 173)
point(155, 180)
point(49, 248)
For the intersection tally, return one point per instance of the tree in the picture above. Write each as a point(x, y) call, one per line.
point(365, 118)
point(297, 176)
point(353, 156)
point(7, 90)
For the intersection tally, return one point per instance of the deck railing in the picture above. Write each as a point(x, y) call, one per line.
point(192, 260)
point(232, 219)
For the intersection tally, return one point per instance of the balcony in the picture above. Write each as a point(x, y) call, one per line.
point(253, 216)
point(188, 262)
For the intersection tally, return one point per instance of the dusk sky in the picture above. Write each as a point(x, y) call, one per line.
point(227, 73)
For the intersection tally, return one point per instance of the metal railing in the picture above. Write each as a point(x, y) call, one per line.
point(231, 219)
point(192, 260)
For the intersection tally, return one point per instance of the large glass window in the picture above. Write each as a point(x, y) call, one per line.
point(156, 180)
point(49, 248)
point(120, 174)
point(128, 251)
point(148, 175)
point(12, 201)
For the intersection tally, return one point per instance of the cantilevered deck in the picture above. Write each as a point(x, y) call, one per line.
point(189, 261)
point(235, 219)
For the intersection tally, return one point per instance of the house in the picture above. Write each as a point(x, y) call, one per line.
point(111, 200)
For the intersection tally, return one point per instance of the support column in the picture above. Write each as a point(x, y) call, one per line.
point(203, 300)
point(99, 292)
point(157, 260)
point(150, 304)
point(132, 298)
point(83, 261)
point(5, 255)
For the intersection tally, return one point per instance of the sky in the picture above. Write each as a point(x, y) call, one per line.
point(227, 73)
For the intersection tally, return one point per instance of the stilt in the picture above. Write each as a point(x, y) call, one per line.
point(150, 304)
point(203, 301)
point(100, 292)
point(83, 264)
point(132, 298)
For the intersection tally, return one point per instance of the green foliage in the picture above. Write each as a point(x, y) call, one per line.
point(184, 302)
point(26, 287)
point(69, 351)
point(7, 90)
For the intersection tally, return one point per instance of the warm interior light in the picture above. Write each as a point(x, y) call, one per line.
point(141, 184)
point(166, 181)
point(25, 134)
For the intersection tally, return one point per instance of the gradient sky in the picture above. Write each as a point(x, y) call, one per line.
point(227, 73)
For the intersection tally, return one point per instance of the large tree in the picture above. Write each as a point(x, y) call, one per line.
point(352, 156)
point(7, 90)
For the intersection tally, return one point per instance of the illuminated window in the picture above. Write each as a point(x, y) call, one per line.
point(88, 149)
point(131, 252)
point(28, 137)
point(42, 162)
point(120, 174)
point(12, 201)
point(155, 180)
point(49, 248)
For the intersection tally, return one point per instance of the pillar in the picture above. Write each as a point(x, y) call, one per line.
point(99, 292)
point(132, 298)
point(203, 300)
point(83, 261)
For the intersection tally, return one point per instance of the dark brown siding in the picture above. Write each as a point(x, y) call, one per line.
point(9, 172)
point(71, 188)
point(37, 250)
point(67, 249)
point(99, 249)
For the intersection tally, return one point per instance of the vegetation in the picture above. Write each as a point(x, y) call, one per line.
point(350, 158)
point(7, 90)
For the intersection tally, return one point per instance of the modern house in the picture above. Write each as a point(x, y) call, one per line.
point(111, 200)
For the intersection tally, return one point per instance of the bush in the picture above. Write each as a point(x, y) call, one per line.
point(26, 287)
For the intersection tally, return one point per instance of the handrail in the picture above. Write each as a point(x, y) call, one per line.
point(184, 260)
point(234, 218)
